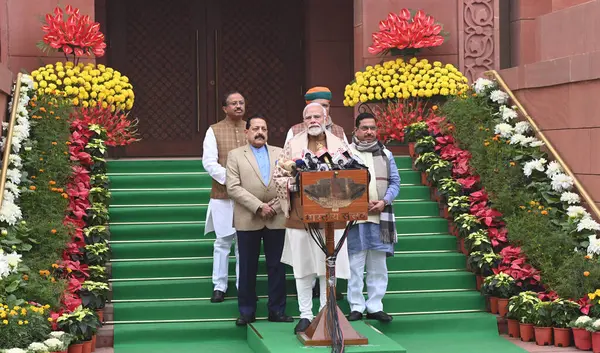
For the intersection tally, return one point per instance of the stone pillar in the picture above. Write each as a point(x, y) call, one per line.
point(6, 76)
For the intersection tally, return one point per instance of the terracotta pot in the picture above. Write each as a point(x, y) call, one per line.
point(424, 180)
point(462, 246)
point(562, 337)
point(526, 332)
point(76, 348)
point(411, 149)
point(100, 314)
point(502, 307)
point(445, 213)
point(87, 347)
point(582, 338)
point(543, 336)
point(494, 305)
point(513, 328)
point(452, 228)
point(93, 343)
point(479, 282)
point(596, 342)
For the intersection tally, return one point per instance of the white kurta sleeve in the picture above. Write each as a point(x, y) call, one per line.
point(289, 136)
point(210, 158)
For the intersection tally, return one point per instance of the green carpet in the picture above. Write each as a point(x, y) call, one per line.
point(162, 264)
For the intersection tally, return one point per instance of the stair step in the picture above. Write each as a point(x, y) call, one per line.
point(204, 247)
point(204, 309)
point(202, 288)
point(203, 180)
point(202, 196)
point(178, 231)
point(191, 267)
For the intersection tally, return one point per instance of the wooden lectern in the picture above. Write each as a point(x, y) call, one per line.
point(329, 197)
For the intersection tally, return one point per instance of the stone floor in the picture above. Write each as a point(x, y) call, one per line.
point(533, 348)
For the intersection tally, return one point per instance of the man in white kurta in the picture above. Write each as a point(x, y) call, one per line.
point(371, 241)
point(300, 250)
point(221, 138)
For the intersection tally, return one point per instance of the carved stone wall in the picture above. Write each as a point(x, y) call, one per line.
point(479, 37)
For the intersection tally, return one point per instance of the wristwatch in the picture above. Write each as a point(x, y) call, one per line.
point(385, 202)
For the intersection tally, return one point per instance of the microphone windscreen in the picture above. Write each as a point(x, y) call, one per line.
point(300, 164)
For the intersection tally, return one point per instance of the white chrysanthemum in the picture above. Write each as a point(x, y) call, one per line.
point(504, 130)
point(57, 334)
point(15, 160)
point(587, 223)
point(522, 127)
point(561, 182)
point(9, 196)
point(54, 344)
point(10, 213)
point(570, 197)
point(37, 347)
point(527, 141)
point(14, 175)
point(536, 164)
point(12, 188)
point(16, 350)
point(576, 211)
point(553, 169)
point(583, 320)
point(13, 259)
point(482, 84)
point(507, 113)
point(517, 139)
point(594, 247)
point(499, 97)
point(536, 143)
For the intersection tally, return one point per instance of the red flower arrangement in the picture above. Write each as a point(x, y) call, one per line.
point(76, 35)
point(120, 130)
point(403, 33)
point(392, 119)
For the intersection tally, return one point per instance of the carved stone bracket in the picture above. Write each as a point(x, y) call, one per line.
point(479, 41)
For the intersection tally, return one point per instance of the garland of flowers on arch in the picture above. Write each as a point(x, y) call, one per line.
point(54, 218)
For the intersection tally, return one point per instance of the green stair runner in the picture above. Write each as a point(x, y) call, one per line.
point(162, 266)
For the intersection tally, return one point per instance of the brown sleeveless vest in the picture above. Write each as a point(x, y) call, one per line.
point(229, 135)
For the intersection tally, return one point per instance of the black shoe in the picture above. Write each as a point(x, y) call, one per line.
point(302, 325)
point(280, 317)
point(355, 316)
point(380, 316)
point(245, 320)
point(217, 297)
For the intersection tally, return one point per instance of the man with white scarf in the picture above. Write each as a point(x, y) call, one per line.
point(371, 241)
point(300, 251)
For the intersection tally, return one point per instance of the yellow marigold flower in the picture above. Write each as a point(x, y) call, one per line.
point(26, 322)
point(5, 322)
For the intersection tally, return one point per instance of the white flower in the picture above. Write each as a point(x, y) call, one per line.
point(594, 247)
point(587, 223)
point(10, 213)
point(522, 127)
point(576, 211)
point(57, 334)
point(499, 97)
point(37, 347)
point(16, 350)
point(583, 321)
point(504, 130)
point(536, 164)
point(536, 143)
point(561, 182)
point(553, 169)
point(481, 85)
point(507, 113)
point(527, 141)
point(570, 197)
point(54, 344)
point(16, 160)
point(14, 175)
point(13, 259)
point(12, 188)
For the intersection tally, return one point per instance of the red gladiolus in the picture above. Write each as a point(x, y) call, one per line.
point(400, 31)
point(120, 130)
point(76, 35)
point(392, 120)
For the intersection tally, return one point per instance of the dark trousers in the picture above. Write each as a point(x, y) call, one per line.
point(249, 248)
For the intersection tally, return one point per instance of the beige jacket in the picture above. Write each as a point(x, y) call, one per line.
point(246, 187)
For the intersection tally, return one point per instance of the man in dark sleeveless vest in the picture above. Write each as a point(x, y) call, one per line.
point(222, 137)
point(322, 96)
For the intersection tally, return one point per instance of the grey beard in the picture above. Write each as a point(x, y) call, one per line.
point(315, 131)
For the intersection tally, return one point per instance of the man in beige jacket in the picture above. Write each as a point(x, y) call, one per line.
point(257, 216)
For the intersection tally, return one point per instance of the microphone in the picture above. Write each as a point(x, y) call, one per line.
point(324, 156)
point(300, 164)
point(309, 158)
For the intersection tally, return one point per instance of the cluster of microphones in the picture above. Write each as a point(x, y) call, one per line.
point(323, 161)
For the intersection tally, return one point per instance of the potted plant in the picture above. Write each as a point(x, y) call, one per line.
point(581, 336)
point(439, 170)
point(522, 306)
point(543, 323)
point(482, 263)
point(512, 318)
point(563, 312)
point(37, 347)
point(94, 295)
point(97, 254)
point(423, 162)
point(594, 328)
point(414, 132)
point(478, 241)
point(448, 187)
point(82, 324)
point(425, 144)
point(466, 224)
point(58, 342)
point(500, 287)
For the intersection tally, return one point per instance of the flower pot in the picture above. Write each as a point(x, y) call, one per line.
point(562, 337)
point(526, 332)
point(502, 306)
point(513, 328)
point(76, 348)
point(100, 314)
point(462, 246)
point(424, 180)
point(435, 194)
point(596, 342)
point(494, 305)
point(582, 338)
point(445, 213)
point(411, 149)
point(87, 347)
point(452, 228)
point(93, 343)
point(479, 282)
point(543, 336)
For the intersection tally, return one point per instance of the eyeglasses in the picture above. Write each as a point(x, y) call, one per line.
point(233, 104)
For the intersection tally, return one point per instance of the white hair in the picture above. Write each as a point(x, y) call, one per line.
point(314, 105)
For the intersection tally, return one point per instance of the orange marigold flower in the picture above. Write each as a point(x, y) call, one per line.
point(42, 109)
point(587, 257)
point(64, 195)
point(51, 112)
point(544, 212)
point(41, 170)
point(486, 143)
point(55, 266)
point(32, 187)
point(53, 231)
point(586, 273)
point(25, 277)
point(41, 159)
point(512, 164)
point(68, 143)
point(54, 143)
point(52, 182)
point(33, 177)
point(434, 108)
